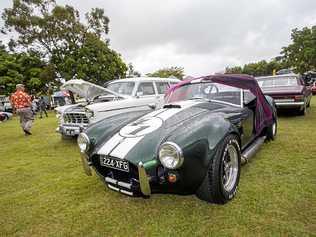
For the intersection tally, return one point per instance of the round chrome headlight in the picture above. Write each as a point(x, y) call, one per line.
point(170, 155)
point(83, 142)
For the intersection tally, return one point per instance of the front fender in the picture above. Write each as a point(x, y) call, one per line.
point(199, 141)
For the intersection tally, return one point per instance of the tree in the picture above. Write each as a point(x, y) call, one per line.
point(177, 72)
point(57, 34)
point(301, 53)
point(260, 68)
point(24, 68)
point(95, 62)
point(233, 70)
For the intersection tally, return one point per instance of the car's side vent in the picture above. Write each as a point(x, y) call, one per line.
point(170, 106)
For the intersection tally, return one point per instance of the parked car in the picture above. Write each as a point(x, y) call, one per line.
point(119, 96)
point(288, 91)
point(285, 71)
point(5, 104)
point(194, 144)
point(4, 116)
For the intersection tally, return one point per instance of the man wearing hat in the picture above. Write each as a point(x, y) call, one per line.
point(22, 103)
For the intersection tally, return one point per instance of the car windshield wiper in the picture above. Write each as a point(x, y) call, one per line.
point(170, 106)
point(197, 98)
point(200, 98)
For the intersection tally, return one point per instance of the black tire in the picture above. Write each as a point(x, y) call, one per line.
point(302, 112)
point(212, 188)
point(272, 131)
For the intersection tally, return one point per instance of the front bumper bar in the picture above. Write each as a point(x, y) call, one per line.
point(143, 180)
point(289, 104)
point(85, 164)
point(72, 130)
point(122, 187)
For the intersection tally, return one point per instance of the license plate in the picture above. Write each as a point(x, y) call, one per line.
point(71, 131)
point(114, 163)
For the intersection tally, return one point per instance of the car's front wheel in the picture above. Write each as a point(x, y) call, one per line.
point(272, 130)
point(222, 177)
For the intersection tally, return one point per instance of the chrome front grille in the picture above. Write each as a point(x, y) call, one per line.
point(76, 118)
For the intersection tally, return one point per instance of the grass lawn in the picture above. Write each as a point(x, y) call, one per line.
point(44, 191)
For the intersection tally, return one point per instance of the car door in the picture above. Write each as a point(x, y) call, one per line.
point(146, 93)
point(248, 117)
point(162, 87)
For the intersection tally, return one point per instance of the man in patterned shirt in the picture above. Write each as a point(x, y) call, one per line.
point(22, 103)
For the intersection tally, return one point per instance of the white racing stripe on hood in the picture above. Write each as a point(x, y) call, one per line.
point(119, 146)
point(110, 144)
point(123, 148)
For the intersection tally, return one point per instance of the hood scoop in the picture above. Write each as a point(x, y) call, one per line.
point(172, 106)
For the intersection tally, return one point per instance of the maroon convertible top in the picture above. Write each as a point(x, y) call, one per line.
point(263, 109)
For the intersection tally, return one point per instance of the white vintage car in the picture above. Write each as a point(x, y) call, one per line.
point(119, 96)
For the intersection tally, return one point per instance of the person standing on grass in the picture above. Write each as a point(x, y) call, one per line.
point(22, 104)
point(42, 106)
point(34, 105)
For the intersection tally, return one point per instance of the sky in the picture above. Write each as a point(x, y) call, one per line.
point(202, 36)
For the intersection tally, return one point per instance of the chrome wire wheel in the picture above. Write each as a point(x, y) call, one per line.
point(230, 168)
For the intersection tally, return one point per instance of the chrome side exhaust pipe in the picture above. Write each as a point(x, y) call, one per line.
point(252, 150)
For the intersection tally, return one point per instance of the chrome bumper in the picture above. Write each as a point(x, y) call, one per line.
point(126, 188)
point(71, 130)
point(86, 164)
point(143, 180)
point(118, 186)
point(289, 104)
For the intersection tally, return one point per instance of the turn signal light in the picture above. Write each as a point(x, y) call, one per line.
point(298, 97)
point(172, 178)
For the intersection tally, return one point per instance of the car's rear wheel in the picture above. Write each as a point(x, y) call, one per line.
point(222, 177)
point(303, 110)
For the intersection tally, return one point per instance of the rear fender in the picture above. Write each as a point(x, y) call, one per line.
point(272, 104)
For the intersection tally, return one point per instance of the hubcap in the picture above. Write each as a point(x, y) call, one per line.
point(230, 168)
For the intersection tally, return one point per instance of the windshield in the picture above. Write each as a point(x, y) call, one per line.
point(207, 90)
point(123, 88)
point(277, 81)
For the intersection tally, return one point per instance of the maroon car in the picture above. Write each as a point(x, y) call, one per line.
point(288, 91)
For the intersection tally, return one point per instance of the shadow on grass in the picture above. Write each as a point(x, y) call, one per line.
point(291, 113)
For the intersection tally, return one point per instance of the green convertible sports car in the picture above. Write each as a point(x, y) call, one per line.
point(194, 144)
